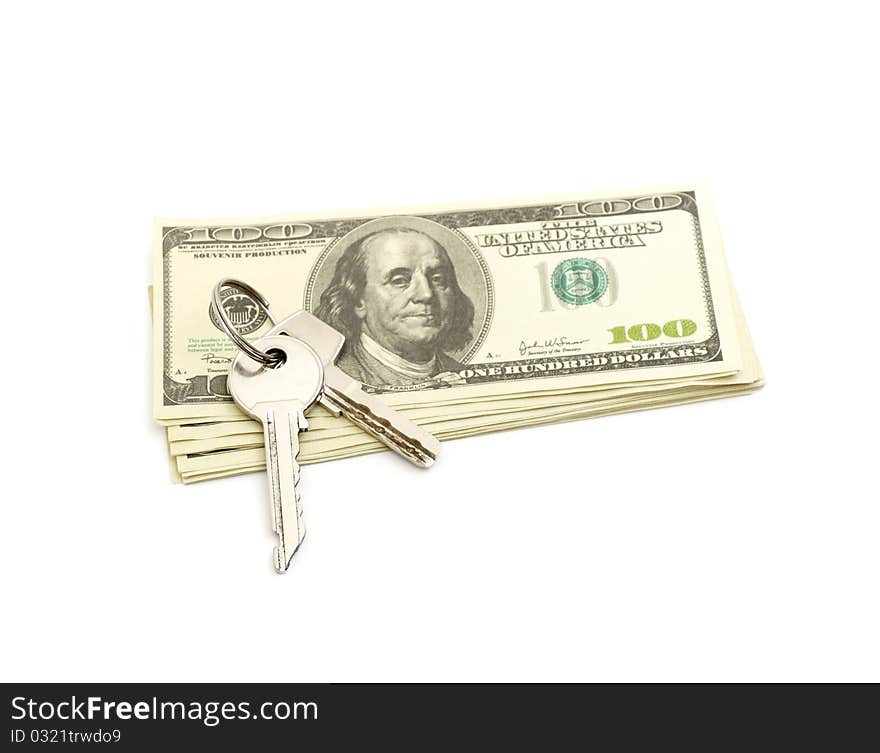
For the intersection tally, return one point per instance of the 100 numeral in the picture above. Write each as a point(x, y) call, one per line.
point(650, 331)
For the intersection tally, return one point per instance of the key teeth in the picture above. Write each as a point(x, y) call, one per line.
point(422, 455)
point(280, 564)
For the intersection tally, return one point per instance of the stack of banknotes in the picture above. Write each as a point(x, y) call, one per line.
point(468, 318)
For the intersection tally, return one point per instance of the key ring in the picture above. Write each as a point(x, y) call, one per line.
point(267, 359)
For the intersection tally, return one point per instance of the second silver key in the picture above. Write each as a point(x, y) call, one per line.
point(278, 396)
point(343, 395)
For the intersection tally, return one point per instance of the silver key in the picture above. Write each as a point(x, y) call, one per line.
point(343, 395)
point(278, 397)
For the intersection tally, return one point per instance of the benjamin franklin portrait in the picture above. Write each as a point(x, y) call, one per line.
point(395, 295)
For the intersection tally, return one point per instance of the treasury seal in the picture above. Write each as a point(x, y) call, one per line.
point(244, 313)
point(579, 281)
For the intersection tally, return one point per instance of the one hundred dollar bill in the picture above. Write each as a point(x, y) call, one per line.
point(450, 303)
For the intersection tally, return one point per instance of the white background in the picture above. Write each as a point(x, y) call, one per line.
point(731, 540)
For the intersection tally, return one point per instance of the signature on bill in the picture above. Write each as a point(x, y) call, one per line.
point(550, 344)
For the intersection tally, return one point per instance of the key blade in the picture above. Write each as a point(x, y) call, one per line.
point(281, 427)
point(343, 395)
